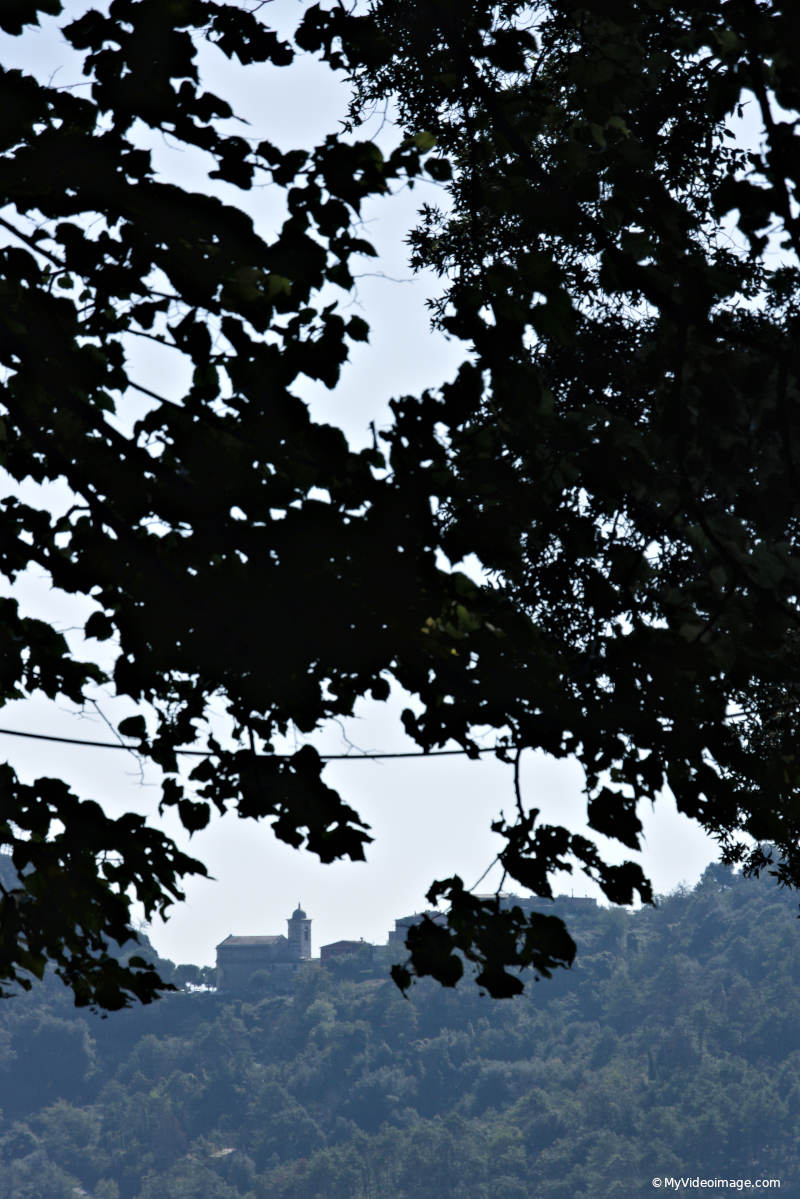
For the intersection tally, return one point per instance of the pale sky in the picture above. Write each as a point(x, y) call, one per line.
point(429, 817)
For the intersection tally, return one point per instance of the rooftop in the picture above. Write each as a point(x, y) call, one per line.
point(229, 940)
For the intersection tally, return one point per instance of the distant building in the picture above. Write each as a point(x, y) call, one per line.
point(538, 903)
point(404, 923)
point(239, 958)
point(340, 948)
point(8, 874)
point(299, 935)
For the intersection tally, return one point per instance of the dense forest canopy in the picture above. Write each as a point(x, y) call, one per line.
point(617, 451)
point(671, 1049)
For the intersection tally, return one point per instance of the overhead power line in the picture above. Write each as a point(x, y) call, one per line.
point(207, 753)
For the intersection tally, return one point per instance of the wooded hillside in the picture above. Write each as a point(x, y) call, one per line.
point(671, 1047)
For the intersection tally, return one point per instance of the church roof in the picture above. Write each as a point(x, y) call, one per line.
point(299, 914)
point(252, 940)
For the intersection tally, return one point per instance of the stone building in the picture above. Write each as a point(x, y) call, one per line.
point(403, 923)
point(239, 958)
point(338, 949)
point(537, 903)
point(528, 903)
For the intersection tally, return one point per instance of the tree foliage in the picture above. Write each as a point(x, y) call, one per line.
point(621, 449)
point(618, 449)
point(195, 532)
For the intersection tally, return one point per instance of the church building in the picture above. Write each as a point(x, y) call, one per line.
point(238, 958)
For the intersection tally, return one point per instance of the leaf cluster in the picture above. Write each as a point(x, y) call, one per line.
point(621, 450)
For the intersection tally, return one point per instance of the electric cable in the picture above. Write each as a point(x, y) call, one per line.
point(207, 753)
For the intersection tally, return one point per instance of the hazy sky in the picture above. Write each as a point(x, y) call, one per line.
point(429, 817)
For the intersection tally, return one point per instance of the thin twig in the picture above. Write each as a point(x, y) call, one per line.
point(135, 753)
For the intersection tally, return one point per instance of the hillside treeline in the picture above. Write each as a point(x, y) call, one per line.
point(671, 1048)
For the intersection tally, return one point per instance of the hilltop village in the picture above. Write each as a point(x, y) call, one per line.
point(241, 958)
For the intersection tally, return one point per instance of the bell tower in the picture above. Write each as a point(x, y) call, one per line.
point(300, 934)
